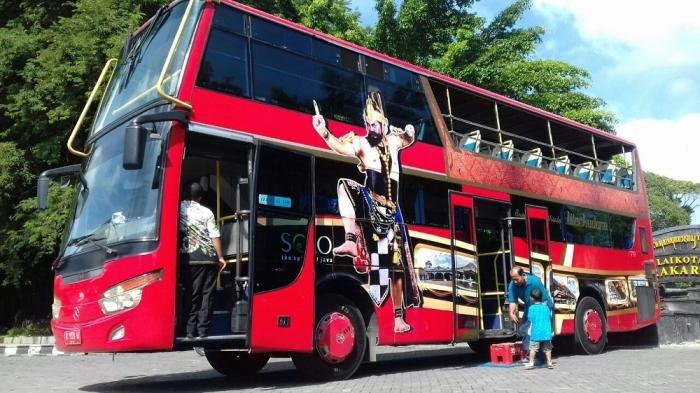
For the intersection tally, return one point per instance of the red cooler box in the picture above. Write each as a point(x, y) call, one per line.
point(506, 353)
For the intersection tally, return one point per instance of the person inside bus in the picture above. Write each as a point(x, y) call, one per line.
point(520, 288)
point(199, 254)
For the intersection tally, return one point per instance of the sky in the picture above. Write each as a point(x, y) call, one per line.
point(644, 60)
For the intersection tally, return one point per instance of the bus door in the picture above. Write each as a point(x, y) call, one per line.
point(465, 274)
point(282, 275)
point(537, 227)
point(221, 163)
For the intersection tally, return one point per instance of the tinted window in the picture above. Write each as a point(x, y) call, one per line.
point(281, 36)
point(282, 217)
point(335, 55)
point(292, 81)
point(327, 174)
point(227, 18)
point(424, 201)
point(621, 231)
point(404, 105)
point(225, 64)
point(577, 225)
point(284, 181)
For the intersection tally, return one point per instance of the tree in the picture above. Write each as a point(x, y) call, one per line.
point(671, 202)
point(444, 36)
point(50, 54)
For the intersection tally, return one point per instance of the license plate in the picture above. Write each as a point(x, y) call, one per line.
point(72, 337)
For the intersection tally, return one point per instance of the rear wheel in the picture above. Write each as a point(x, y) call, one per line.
point(591, 326)
point(237, 364)
point(339, 341)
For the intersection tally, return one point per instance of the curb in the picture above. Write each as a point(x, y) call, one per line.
point(28, 346)
point(30, 350)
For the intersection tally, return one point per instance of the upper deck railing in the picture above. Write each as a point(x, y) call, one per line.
point(546, 156)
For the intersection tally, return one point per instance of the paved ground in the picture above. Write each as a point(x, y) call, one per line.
point(413, 369)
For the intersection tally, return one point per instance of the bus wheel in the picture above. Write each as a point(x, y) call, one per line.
point(591, 326)
point(339, 341)
point(237, 364)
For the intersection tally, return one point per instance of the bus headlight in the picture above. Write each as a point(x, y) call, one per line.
point(55, 308)
point(127, 294)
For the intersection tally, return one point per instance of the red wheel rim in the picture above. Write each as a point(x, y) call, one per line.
point(335, 337)
point(593, 326)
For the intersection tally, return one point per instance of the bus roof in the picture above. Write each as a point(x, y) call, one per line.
point(432, 74)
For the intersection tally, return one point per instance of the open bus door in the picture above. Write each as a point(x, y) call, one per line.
point(465, 275)
point(537, 227)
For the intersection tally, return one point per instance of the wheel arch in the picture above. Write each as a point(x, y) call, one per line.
point(350, 286)
point(596, 292)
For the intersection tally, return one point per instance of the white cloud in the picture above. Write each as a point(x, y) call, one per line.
point(667, 147)
point(640, 34)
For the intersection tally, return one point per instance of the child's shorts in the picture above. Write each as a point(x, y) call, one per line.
point(546, 346)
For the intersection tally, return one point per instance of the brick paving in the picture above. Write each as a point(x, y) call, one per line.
point(406, 369)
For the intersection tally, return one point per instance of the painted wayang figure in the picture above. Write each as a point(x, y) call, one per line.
point(375, 236)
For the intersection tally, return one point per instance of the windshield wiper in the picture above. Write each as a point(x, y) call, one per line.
point(133, 57)
point(90, 238)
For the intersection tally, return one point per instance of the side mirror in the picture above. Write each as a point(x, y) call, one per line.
point(134, 146)
point(42, 184)
point(42, 192)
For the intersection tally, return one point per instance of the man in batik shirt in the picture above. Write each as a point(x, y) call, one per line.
point(201, 256)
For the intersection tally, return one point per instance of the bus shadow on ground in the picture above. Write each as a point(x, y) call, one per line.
point(282, 375)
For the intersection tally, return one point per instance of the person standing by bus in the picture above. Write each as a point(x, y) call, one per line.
point(200, 251)
point(520, 288)
point(540, 318)
point(384, 240)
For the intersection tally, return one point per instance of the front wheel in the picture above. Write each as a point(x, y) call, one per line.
point(237, 364)
point(339, 341)
point(591, 326)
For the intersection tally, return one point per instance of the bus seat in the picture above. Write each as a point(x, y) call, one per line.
point(504, 151)
point(609, 173)
point(625, 179)
point(471, 141)
point(584, 171)
point(561, 165)
point(229, 238)
point(532, 158)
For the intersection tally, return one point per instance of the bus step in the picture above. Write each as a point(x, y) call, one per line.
point(497, 333)
point(223, 341)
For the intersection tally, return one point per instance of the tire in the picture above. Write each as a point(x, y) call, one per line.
point(320, 364)
point(481, 348)
point(237, 364)
point(591, 335)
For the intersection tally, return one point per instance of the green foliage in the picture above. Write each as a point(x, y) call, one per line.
point(671, 202)
point(33, 239)
point(444, 36)
point(50, 55)
point(29, 328)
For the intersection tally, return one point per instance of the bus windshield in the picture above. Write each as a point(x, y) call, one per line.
point(115, 205)
point(141, 62)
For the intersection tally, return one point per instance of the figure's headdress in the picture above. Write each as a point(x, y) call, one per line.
point(374, 110)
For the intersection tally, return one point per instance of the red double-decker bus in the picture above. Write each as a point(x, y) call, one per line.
point(362, 201)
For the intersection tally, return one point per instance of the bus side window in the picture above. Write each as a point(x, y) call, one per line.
point(643, 240)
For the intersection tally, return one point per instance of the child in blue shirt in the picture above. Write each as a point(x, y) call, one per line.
point(540, 318)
